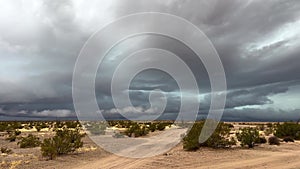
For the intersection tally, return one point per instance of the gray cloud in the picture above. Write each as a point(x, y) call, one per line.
point(269, 114)
point(258, 43)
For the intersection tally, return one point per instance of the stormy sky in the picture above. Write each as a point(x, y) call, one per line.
point(258, 43)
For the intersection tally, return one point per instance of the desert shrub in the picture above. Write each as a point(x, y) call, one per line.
point(114, 122)
point(248, 137)
point(43, 125)
point(136, 130)
point(191, 140)
point(288, 139)
point(121, 123)
point(17, 132)
point(261, 127)
point(15, 125)
point(262, 140)
point(219, 139)
point(3, 126)
point(97, 128)
point(59, 124)
point(65, 141)
point(27, 127)
point(10, 126)
point(152, 127)
point(11, 137)
point(158, 126)
point(29, 142)
point(274, 140)
point(72, 124)
point(49, 148)
point(5, 150)
point(269, 125)
point(269, 131)
point(40, 125)
point(230, 125)
point(38, 128)
point(161, 126)
point(288, 129)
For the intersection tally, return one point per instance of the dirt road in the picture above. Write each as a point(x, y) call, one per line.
point(141, 147)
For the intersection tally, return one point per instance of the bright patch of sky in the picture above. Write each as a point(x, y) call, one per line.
point(288, 100)
point(288, 32)
point(281, 101)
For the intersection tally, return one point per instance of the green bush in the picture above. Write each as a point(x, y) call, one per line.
point(158, 126)
point(152, 127)
point(65, 141)
point(72, 124)
point(15, 125)
point(161, 126)
point(191, 140)
point(3, 126)
point(248, 137)
point(288, 129)
point(10, 126)
point(114, 123)
point(274, 140)
point(136, 130)
point(219, 139)
point(29, 142)
point(49, 148)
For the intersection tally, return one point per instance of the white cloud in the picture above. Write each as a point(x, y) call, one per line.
point(52, 113)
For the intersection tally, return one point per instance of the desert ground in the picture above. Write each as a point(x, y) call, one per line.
point(286, 155)
point(283, 156)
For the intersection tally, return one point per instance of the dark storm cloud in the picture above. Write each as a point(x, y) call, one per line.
point(254, 114)
point(258, 43)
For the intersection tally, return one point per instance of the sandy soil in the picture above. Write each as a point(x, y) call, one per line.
point(286, 155)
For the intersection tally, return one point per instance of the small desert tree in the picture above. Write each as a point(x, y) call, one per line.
point(288, 129)
point(191, 140)
point(220, 138)
point(248, 137)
